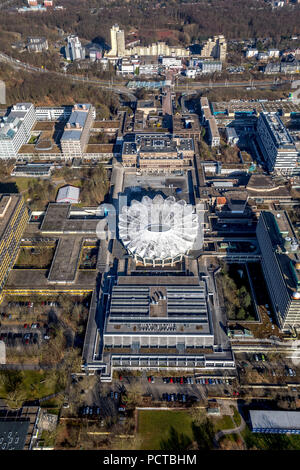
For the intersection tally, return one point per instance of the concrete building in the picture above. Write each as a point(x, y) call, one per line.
point(215, 47)
point(19, 427)
point(172, 62)
point(276, 143)
point(59, 113)
point(77, 130)
point(118, 49)
point(231, 136)
point(281, 266)
point(154, 154)
point(210, 66)
point(155, 317)
point(213, 132)
point(117, 37)
point(37, 44)
point(158, 49)
point(74, 49)
point(13, 220)
point(15, 129)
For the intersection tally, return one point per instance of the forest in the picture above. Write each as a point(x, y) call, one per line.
point(190, 22)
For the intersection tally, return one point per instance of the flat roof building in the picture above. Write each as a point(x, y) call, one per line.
point(276, 143)
point(281, 266)
point(158, 153)
point(275, 422)
point(77, 130)
point(15, 129)
point(13, 220)
point(19, 428)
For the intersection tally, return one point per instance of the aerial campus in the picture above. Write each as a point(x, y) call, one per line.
point(149, 226)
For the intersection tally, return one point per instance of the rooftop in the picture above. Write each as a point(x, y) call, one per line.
point(76, 122)
point(283, 237)
point(11, 123)
point(275, 420)
point(151, 307)
point(8, 203)
point(279, 133)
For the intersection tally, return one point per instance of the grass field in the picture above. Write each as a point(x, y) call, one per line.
point(270, 441)
point(155, 426)
point(30, 385)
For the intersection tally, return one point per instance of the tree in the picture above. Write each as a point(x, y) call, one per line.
point(176, 442)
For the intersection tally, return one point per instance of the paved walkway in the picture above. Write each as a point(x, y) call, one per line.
point(234, 430)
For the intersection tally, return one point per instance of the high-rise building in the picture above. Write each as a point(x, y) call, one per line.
point(15, 129)
point(74, 49)
point(276, 143)
point(215, 47)
point(117, 37)
point(281, 266)
point(13, 219)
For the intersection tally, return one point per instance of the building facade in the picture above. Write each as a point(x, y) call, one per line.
point(13, 219)
point(276, 143)
point(77, 130)
point(281, 266)
point(15, 129)
point(74, 49)
point(215, 47)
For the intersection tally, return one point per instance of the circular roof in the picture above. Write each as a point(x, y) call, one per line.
point(158, 228)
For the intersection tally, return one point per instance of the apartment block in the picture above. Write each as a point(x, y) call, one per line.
point(215, 47)
point(74, 49)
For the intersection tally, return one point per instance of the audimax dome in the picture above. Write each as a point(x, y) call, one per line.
point(158, 231)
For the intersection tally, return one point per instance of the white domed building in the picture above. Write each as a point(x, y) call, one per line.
point(158, 231)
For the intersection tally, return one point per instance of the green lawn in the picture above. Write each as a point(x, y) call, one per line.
point(30, 384)
point(155, 426)
point(270, 441)
point(222, 422)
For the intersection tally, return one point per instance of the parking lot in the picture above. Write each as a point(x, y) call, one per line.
point(28, 334)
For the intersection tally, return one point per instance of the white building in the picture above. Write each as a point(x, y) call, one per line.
point(68, 194)
point(273, 53)
point(231, 135)
point(53, 113)
point(15, 129)
point(148, 69)
point(191, 73)
point(172, 62)
point(276, 143)
point(74, 49)
point(252, 52)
